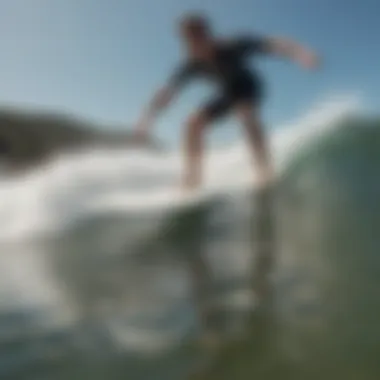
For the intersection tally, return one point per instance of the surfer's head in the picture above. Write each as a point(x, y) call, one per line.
point(195, 29)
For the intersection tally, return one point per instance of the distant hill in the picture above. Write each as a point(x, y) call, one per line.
point(29, 138)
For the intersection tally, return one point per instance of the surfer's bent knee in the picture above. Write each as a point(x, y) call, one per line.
point(196, 123)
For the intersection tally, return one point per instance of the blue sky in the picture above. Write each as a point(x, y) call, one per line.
point(103, 59)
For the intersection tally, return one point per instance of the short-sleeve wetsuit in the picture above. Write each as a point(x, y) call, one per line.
point(229, 71)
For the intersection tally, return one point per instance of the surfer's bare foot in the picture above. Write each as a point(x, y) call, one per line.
point(265, 177)
point(189, 185)
point(188, 190)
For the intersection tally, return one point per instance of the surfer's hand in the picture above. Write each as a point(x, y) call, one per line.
point(309, 60)
point(141, 134)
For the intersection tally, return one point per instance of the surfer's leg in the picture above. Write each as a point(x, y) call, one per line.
point(249, 114)
point(193, 148)
point(194, 135)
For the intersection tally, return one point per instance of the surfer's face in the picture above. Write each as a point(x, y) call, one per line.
point(197, 40)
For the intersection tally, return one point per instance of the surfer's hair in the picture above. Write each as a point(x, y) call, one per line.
point(196, 23)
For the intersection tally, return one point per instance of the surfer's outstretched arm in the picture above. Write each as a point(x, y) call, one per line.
point(159, 102)
point(293, 50)
point(165, 95)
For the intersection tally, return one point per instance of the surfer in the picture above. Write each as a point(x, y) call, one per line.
point(240, 90)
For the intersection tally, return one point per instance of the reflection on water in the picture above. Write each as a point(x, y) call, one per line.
point(255, 324)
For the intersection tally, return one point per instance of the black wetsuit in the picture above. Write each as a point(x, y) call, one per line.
point(229, 70)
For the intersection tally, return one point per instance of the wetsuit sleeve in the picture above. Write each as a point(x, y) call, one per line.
point(182, 75)
point(252, 44)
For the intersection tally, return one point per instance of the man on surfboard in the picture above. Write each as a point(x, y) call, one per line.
point(240, 90)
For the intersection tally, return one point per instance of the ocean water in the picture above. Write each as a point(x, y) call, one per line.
point(107, 273)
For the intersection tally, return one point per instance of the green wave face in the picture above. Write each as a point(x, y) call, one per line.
point(326, 324)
